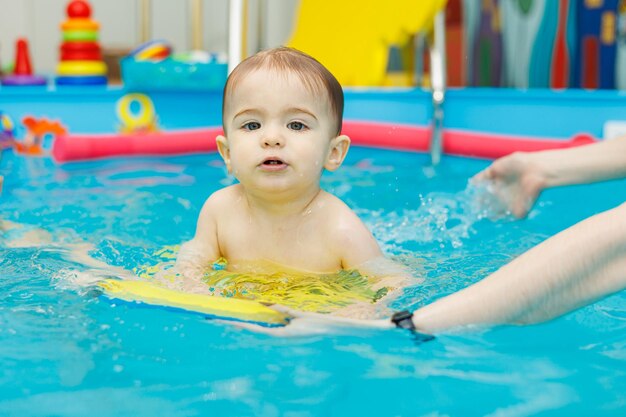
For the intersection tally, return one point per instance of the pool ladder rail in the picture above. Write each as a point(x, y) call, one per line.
point(438, 83)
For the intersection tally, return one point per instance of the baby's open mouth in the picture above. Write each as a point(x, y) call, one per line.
point(273, 161)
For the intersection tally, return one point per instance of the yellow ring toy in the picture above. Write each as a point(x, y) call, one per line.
point(144, 119)
point(80, 24)
point(81, 68)
point(214, 306)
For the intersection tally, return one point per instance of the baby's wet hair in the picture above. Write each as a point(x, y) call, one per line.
point(310, 71)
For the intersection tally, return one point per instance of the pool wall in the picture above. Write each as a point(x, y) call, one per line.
point(541, 113)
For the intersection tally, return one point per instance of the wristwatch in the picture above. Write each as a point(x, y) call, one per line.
point(403, 319)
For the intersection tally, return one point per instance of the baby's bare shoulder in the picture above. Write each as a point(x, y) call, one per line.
point(223, 199)
point(347, 235)
point(339, 216)
point(218, 211)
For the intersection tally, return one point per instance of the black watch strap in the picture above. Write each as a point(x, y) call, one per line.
point(403, 320)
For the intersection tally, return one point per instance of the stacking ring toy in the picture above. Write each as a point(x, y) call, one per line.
point(80, 24)
point(81, 51)
point(83, 80)
point(88, 68)
point(80, 35)
point(142, 120)
point(80, 46)
point(81, 56)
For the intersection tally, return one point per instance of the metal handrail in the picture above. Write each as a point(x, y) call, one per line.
point(235, 33)
point(438, 82)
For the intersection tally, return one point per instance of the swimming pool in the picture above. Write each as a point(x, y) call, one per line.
point(64, 352)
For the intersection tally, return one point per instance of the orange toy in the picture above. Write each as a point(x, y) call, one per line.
point(36, 129)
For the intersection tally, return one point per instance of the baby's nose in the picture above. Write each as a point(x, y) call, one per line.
point(273, 140)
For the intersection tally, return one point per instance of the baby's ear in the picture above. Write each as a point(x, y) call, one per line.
point(224, 150)
point(337, 152)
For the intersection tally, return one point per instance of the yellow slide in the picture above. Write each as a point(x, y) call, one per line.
point(352, 37)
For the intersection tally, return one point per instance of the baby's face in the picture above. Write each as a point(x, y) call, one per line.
point(278, 133)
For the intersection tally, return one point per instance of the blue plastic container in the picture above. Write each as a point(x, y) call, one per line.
point(171, 74)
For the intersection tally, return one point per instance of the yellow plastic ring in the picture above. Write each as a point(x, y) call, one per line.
point(81, 68)
point(132, 121)
point(80, 24)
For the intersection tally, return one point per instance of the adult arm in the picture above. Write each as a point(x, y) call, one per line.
point(520, 177)
point(569, 270)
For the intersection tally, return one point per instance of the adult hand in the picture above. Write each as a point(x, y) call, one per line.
point(517, 181)
point(309, 324)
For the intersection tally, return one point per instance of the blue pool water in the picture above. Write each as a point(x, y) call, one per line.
point(64, 352)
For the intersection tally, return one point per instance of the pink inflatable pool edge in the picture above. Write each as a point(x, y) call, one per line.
point(455, 142)
point(83, 147)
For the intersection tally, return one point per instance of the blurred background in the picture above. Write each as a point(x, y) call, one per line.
point(268, 22)
point(497, 43)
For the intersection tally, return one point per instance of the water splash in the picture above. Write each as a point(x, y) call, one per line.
point(442, 218)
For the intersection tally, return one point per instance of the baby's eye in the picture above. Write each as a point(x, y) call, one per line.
point(296, 126)
point(252, 126)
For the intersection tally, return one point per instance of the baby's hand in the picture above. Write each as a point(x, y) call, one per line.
point(517, 181)
point(310, 324)
point(364, 311)
point(394, 282)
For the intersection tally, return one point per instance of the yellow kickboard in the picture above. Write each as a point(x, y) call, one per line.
point(215, 306)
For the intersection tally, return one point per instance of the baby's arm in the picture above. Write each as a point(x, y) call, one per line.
point(388, 275)
point(196, 255)
point(359, 250)
point(354, 243)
